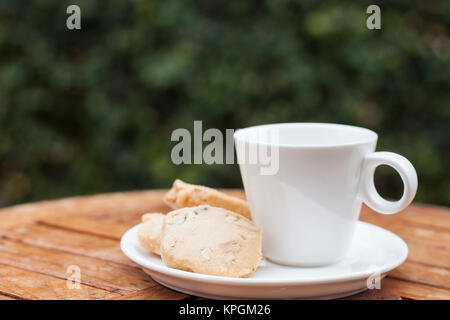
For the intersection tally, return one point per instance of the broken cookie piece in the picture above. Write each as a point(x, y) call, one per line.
point(149, 233)
point(184, 194)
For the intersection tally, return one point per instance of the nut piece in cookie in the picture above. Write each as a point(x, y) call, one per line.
point(150, 231)
point(184, 194)
point(210, 240)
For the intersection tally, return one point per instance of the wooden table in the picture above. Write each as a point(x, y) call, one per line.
point(40, 241)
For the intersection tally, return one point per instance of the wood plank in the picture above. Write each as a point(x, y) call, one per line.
point(438, 256)
point(68, 241)
point(416, 215)
point(425, 235)
point(85, 224)
point(114, 207)
point(413, 290)
point(119, 207)
point(423, 273)
point(374, 294)
point(96, 273)
point(384, 221)
point(155, 293)
point(3, 297)
point(430, 216)
point(33, 285)
point(123, 208)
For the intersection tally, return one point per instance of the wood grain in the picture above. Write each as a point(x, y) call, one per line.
point(413, 290)
point(155, 293)
point(85, 224)
point(96, 273)
point(374, 295)
point(39, 241)
point(23, 284)
point(3, 297)
point(423, 273)
point(84, 244)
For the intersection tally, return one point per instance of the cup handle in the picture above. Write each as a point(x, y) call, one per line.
point(369, 193)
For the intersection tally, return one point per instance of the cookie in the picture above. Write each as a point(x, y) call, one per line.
point(184, 194)
point(149, 233)
point(210, 240)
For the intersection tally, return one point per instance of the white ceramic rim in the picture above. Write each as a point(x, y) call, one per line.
point(259, 282)
point(240, 134)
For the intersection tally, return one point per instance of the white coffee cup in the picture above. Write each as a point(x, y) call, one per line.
point(307, 208)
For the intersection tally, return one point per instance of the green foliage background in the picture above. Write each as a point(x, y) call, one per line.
point(92, 110)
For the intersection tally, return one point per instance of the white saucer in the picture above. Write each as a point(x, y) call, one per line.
point(373, 253)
